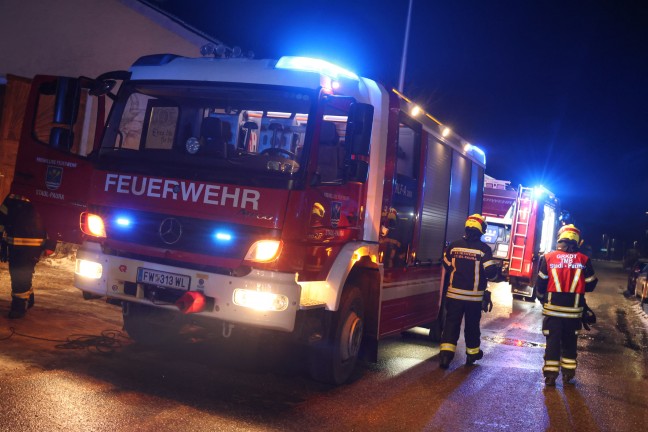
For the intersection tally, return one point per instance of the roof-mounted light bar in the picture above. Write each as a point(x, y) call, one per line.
point(320, 66)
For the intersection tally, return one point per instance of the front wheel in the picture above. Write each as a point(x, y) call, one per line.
point(332, 360)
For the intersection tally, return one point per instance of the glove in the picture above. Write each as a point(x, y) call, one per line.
point(589, 317)
point(487, 303)
point(4, 252)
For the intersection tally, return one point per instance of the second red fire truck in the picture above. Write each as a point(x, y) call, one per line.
point(522, 226)
point(291, 197)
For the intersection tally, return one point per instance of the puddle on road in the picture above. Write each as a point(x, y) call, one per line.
point(513, 342)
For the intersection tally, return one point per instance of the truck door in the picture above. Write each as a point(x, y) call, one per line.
point(61, 125)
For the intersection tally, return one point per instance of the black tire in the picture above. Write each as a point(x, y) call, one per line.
point(150, 326)
point(332, 361)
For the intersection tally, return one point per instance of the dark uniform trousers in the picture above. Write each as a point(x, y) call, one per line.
point(455, 312)
point(22, 262)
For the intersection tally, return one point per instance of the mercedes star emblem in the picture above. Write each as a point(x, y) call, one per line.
point(170, 230)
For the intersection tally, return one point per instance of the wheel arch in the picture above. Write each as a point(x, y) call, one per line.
point(355, 264)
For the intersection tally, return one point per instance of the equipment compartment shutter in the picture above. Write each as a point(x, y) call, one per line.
point(459, 196)
point(436, 189)
point(476, 189)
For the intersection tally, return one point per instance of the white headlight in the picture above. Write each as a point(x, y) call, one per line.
point(89, 269)
point(258, 300)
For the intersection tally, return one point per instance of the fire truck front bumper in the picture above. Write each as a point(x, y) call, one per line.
point(260, 299)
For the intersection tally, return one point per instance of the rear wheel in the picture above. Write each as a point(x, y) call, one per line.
point(150, 326)
point(332, 360)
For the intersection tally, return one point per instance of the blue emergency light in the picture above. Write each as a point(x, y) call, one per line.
point(123, 221)
point(223, 236)
point(307, 64)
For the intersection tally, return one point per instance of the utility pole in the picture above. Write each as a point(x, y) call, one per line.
point(401, 78)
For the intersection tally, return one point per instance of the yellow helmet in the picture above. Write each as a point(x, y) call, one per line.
point(318, 210)
point(476, 221)
point(569, 233)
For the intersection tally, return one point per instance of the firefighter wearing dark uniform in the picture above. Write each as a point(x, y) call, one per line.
point(468, 263)
point(564, 276)
point(23, 240)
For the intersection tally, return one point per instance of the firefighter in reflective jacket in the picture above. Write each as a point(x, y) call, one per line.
point(468, 263)
point(23, 241)
point(564, 276)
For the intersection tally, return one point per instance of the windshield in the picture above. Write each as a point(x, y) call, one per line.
point(217, 126)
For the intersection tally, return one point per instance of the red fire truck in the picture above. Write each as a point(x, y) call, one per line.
point(522, 226)
point(290, 197)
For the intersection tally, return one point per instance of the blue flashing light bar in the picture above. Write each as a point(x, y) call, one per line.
point(222, 236)
point(123, 221)
point(320, 66)
point(541, 190)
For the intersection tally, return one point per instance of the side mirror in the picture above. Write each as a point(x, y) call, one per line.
point(358, 133)
point(100, 88)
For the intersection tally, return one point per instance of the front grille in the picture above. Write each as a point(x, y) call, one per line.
point(198, 236)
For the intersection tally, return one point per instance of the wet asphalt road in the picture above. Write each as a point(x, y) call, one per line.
point(58, 373)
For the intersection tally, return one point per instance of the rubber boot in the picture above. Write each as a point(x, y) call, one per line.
point(550, 378)
point(472, 358)
point(568, 375)
point(18, 308)
point(445, 357)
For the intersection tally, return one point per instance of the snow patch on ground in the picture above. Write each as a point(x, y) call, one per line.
point(642, 312)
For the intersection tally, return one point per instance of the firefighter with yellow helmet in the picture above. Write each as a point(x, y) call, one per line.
point(564, 276)
point(468, 264)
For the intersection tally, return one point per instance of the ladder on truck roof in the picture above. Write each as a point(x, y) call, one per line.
point(520, 230)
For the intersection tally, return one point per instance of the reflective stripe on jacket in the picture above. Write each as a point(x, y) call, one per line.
point(20, 224)
point(470, 263)
point(565, 276)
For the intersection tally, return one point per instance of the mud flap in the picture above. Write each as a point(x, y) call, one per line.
point(522, 290)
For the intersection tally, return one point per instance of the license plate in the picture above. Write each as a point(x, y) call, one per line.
point(165, 279)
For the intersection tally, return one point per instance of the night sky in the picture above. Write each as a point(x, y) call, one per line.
point(555, 92)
